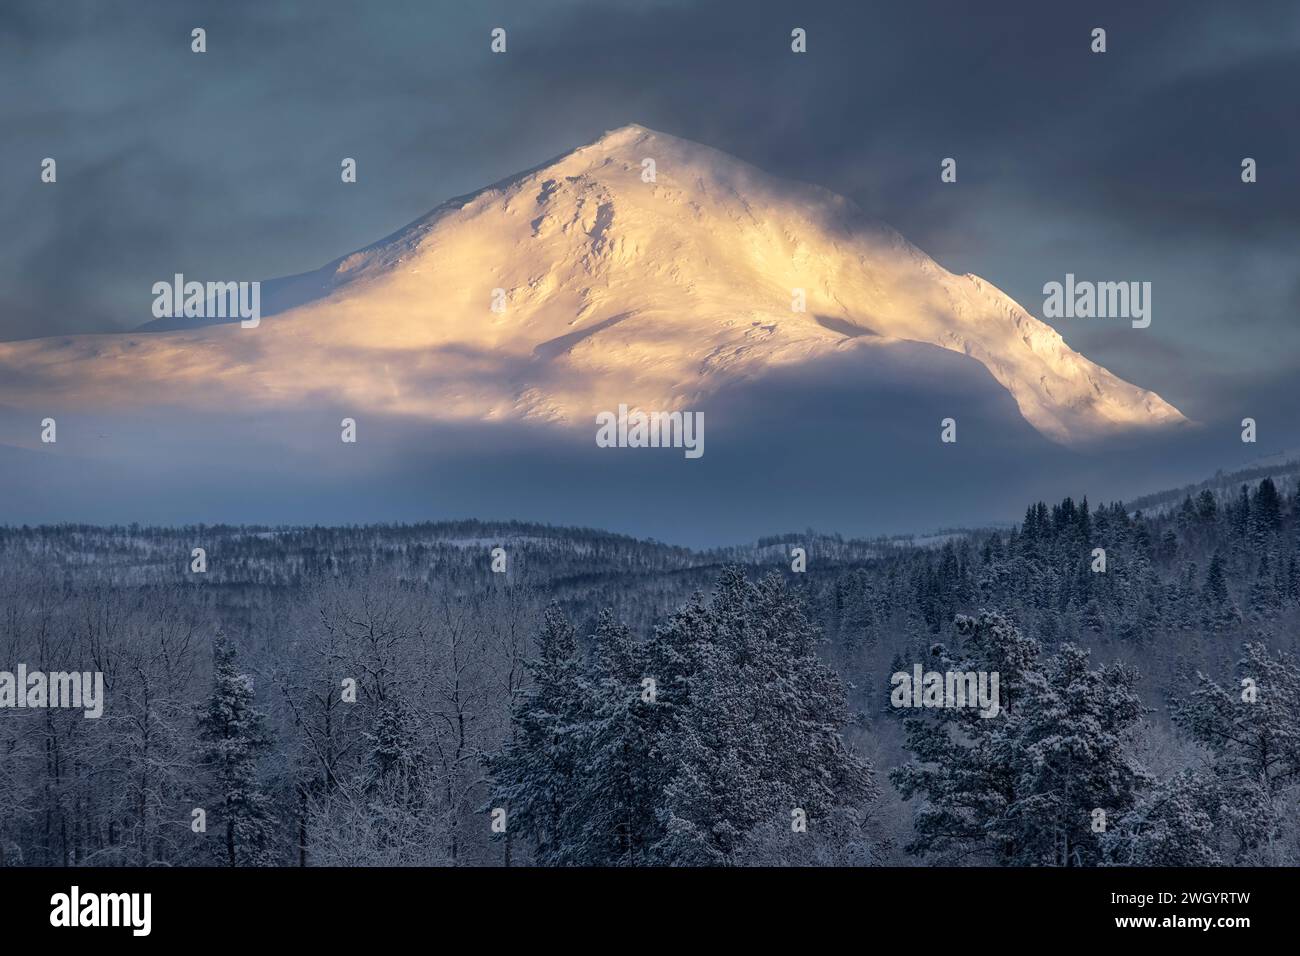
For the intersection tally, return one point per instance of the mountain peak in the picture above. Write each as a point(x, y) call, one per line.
point(626, 133)
point(597, 280)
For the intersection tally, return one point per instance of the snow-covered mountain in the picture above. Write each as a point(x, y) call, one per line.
point(616, 290)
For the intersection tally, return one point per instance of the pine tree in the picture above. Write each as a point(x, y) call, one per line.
point(621, 778)
point(755, 728)
point(538, 774)
point(1074, 729)
point(1020, 788)
point(967, 777)
point(234, 738)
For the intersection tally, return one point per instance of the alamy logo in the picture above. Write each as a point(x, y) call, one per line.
point(947, 689)
point(72, 690)
point(638, 429)
point(210, 300)
point(1100, 300)
point(74, 908)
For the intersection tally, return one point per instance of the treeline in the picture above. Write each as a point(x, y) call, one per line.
point(258, 556)
point(1215, 565)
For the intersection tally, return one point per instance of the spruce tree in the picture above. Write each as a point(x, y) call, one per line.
point(1266, 509)
point(1265, 597)
point(1207, 506)
point(234, 738)
point(1218, 610)
point(621, 777)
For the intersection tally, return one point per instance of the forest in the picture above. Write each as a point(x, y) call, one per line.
point(477, 693)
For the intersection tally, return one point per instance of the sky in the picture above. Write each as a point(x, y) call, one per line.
point(1116, 166)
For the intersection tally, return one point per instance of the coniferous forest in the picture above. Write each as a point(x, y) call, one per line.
point(492, 694)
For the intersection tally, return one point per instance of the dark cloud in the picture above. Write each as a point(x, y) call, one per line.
point(1121, 166)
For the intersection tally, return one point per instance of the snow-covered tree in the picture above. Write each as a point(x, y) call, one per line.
point(396, 764)
point(234, 738)
point(1253, 733)
point(738, 729)
point(754, 735)
point(538, 774)
point(1219, 610)
point(1021, 788)
point(1175, 823)
point(621, 776)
